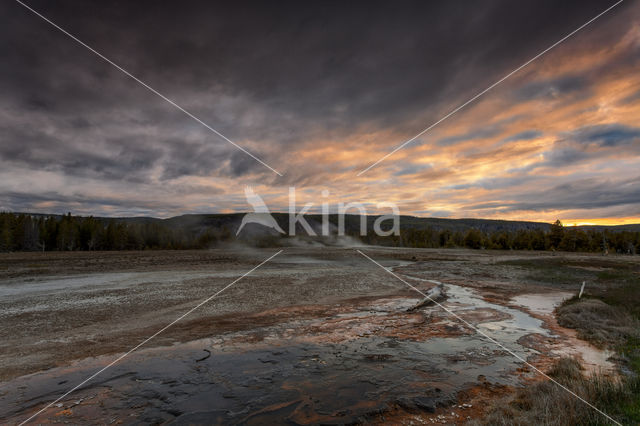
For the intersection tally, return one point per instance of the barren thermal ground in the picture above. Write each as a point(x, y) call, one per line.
point(315, 335)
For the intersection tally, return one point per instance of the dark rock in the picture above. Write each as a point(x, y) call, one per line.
point(425, 404)
point(421, 403)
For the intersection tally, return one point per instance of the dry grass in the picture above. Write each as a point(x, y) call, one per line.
point(597, 322)
point(546, 403)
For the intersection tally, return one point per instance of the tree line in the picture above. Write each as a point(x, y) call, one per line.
point(558, 237)
point(24, 232)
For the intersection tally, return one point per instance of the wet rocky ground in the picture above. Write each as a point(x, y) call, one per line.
point(317, 336)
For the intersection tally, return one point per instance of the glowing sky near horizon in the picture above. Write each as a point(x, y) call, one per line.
point(320, 91)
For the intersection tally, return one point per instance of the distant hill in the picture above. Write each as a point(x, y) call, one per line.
point(352, 223)
point(198, 223)
point(35, 232)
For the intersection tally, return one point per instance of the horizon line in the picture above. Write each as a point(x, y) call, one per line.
point(566, 222)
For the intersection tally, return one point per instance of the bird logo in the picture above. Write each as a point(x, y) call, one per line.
point(261, 213)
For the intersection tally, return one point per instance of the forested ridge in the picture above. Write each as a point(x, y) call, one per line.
point(24, 232)
point(27, 232)
point(557, 237)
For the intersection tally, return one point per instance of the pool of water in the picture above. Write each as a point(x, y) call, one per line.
point(287, 380)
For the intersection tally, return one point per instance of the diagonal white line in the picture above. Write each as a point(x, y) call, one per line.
point(151, 337)
point(492, 340)
point(399, 147)
point(151, 89)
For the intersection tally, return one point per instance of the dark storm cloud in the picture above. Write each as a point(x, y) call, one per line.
point(554, 88)
point(634, 97)
point(610, 135)
point(274, 77)
point(589, 143)
point(562, 157)
point(496, 183)
point(415, 169)
point(329, 64)
point(60, 203)
point(483, 133)
point(580, 194)
point(124, 159)
point(523, 136)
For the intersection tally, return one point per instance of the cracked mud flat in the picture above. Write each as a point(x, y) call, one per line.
point(319, 336)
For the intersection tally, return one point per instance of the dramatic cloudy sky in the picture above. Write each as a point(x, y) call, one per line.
point(319, 91)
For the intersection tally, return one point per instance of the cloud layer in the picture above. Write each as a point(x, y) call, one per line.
point(320, 91)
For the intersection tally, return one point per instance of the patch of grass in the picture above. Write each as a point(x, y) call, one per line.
point(590, 262)
point(546, 403)
point(598, 322)
point(610, 317)
point(630, 350)
point(563, 271)
point(613, 275)
point(626, 296)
